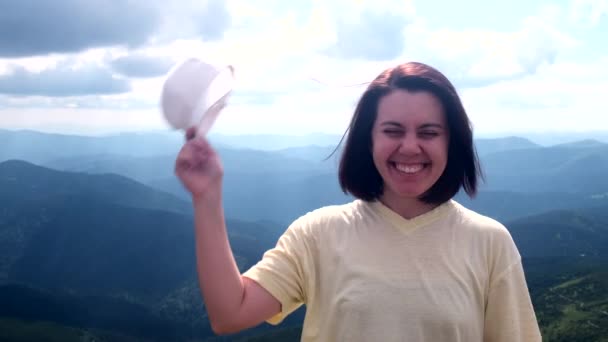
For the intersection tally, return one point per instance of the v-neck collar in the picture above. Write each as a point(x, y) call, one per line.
point(409, 225)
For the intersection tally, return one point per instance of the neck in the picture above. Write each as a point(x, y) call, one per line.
point(406, 207)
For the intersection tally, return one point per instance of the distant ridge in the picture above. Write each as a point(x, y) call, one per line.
point(583, 144)
point(43, 182)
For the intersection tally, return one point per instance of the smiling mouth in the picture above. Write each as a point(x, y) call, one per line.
point(409, 169)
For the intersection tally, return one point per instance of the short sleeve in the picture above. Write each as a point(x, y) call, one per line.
point(509, 314)
point(284, 270)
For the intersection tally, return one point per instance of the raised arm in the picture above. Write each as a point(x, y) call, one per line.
point(233, 302)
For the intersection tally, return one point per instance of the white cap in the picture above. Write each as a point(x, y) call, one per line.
point(194, 93)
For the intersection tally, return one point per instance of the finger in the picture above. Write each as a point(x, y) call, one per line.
point(201, 144)
point(181, 165)
point(185, 157)
point(194, 152)
point(190, 133)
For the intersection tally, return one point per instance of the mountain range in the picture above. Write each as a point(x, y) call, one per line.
point(101, 246)
point(76, 238)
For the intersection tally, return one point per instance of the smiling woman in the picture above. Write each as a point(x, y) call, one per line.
point(413, 119)
point(403, 261)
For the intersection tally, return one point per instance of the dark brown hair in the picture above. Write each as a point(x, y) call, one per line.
point(357, 172)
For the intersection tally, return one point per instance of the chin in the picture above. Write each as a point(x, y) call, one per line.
point(411, 197)
point(409, 194)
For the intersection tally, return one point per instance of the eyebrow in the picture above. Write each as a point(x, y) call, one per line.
point(431, 125)
point(423, 126)
point(390, 123)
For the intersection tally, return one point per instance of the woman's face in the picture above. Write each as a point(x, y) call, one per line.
point(409, 142)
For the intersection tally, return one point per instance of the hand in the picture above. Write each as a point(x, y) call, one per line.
point(198, 166)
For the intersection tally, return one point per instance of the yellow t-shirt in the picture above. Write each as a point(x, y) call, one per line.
point(367, 274)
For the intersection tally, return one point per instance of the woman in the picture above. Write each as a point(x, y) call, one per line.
point(403, 261)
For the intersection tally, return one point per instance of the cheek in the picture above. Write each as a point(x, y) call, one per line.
point(381, 152)
point(377, 156)
point(440, 152)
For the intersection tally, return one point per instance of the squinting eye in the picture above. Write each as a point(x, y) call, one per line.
point(428, 134)
point(392, 131)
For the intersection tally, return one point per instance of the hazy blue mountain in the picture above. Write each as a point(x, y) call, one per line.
point(140, 168)
point(249, 161)
point(287, 179)
point(563, 233)
point(572, 168)
point(81, 216)
point(72, 241)
point(148, 169)
point(95, 247)
point(555, 138)
point(318, 153)
point(23, 180)
point(506, 206)
point(585, 143)
point(40, 148)
point(274, 142)
point(487, 146)
point(280, 196)
point(104, 318)
point(509, 163)
point(513, 140)
point(284, 197)
point(313, 153)
point(92, 245)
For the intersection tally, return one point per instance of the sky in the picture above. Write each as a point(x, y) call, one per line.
point(98, 66)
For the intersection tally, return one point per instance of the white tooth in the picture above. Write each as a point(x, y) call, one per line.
point(409, 169)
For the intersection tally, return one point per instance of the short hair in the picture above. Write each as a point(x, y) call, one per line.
point(357, 172)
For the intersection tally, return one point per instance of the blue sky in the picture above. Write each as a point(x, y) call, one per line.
point(97, 66)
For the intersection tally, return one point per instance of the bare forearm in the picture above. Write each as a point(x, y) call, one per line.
point(218, 274)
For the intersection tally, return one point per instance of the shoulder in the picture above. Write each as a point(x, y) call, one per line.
point(491, 233)
point(478, 222)
point(319, 225)
point(333, 214)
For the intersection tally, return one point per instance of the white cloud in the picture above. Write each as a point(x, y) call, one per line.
point(68, 26)
point(63, 80)
point(369, 30)
point(560, 97)
point(295, 60)
point(481, 57)
point(588, 12)
point(142, 65)
point(207, 20)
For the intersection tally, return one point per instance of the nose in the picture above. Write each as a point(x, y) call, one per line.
point(410, 145)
